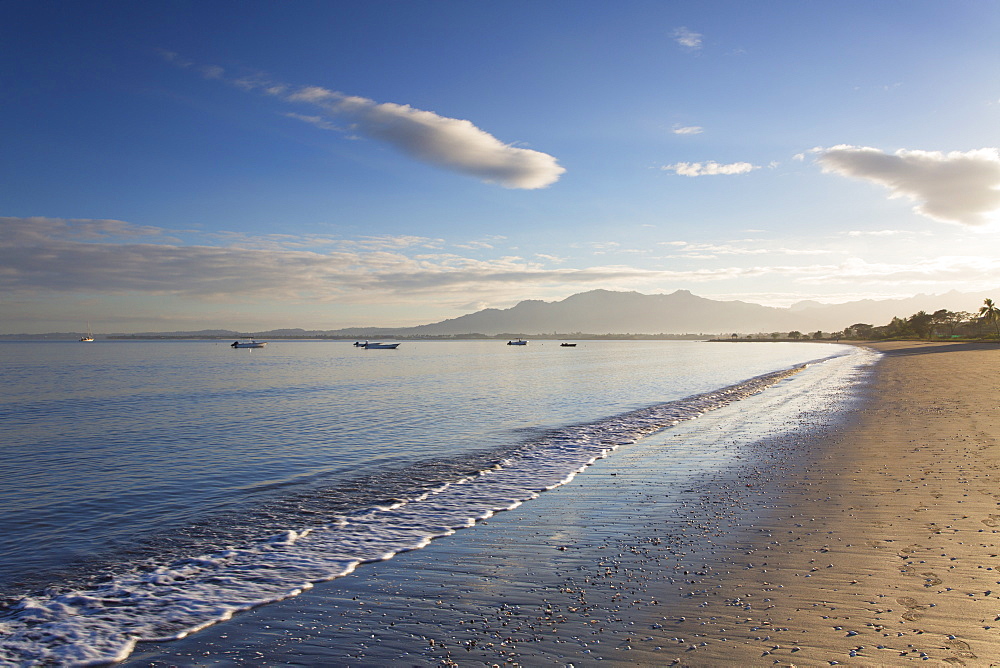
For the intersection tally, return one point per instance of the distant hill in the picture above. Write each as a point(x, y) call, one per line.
point(880, 312)
point(603, 311)
point(681, 312)
point(608, 312)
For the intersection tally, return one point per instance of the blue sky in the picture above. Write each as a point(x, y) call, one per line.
point(251, 165)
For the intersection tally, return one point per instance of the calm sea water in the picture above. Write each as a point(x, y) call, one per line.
point(152, 488)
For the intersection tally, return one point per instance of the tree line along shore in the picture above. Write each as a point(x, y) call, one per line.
point(983, 325)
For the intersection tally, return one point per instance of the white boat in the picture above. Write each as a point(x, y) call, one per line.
point(518, 342)
point(89, 337)
point(380, 346)
point(249, 343)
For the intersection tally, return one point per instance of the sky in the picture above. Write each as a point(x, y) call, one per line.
point(254, 165)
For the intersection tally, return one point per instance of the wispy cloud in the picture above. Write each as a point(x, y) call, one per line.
point(705, 251)
point(873, 233)
point(957, 187)
point(390, 242)
point(554, 259)
point(212, 72)
point(600, 247)
point(688, 130)
point(319, 121)
point(482, 244)
point(687, 38)
point(710, 168)
point(449, 143)
point(940, 272)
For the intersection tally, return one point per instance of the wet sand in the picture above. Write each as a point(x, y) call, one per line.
point(872, 543)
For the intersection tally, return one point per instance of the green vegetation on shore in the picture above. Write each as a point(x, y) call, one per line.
point(940, 325)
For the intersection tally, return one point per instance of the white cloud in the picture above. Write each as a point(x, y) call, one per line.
point(450, 143)
point(688, 130)
point(688, 38)
point(952, 187)
point(710, 168)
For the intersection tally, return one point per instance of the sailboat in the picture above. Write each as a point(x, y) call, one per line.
point(88, 337)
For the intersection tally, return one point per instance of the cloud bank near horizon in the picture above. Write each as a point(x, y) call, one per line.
point(953, 187)
point(50, 256)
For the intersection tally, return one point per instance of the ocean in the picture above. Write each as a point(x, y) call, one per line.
point(152, 489)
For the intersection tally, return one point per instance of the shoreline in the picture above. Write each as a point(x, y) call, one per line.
point(787, 556)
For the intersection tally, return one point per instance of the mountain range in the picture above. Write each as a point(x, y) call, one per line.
point(680, 312)
point(608, 312)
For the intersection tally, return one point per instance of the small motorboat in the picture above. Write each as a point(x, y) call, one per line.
point(567, 345)
point(249, 343)
point(380, 346)
point(518, 342)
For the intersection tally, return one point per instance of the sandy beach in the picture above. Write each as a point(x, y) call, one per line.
point(888, 550)
point(868, 543)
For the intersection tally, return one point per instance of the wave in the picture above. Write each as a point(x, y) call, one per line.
point(159, 599)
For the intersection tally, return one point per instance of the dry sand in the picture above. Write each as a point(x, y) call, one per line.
point(889, 551)
point(875, 544)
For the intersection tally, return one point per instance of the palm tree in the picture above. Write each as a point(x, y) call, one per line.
point(989, 312)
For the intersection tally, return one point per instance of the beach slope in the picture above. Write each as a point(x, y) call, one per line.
point(887, 551)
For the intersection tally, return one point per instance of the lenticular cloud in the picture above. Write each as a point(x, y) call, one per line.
point(450, 143)
point(952, 187)
point(459, 145)
point(445, 142)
